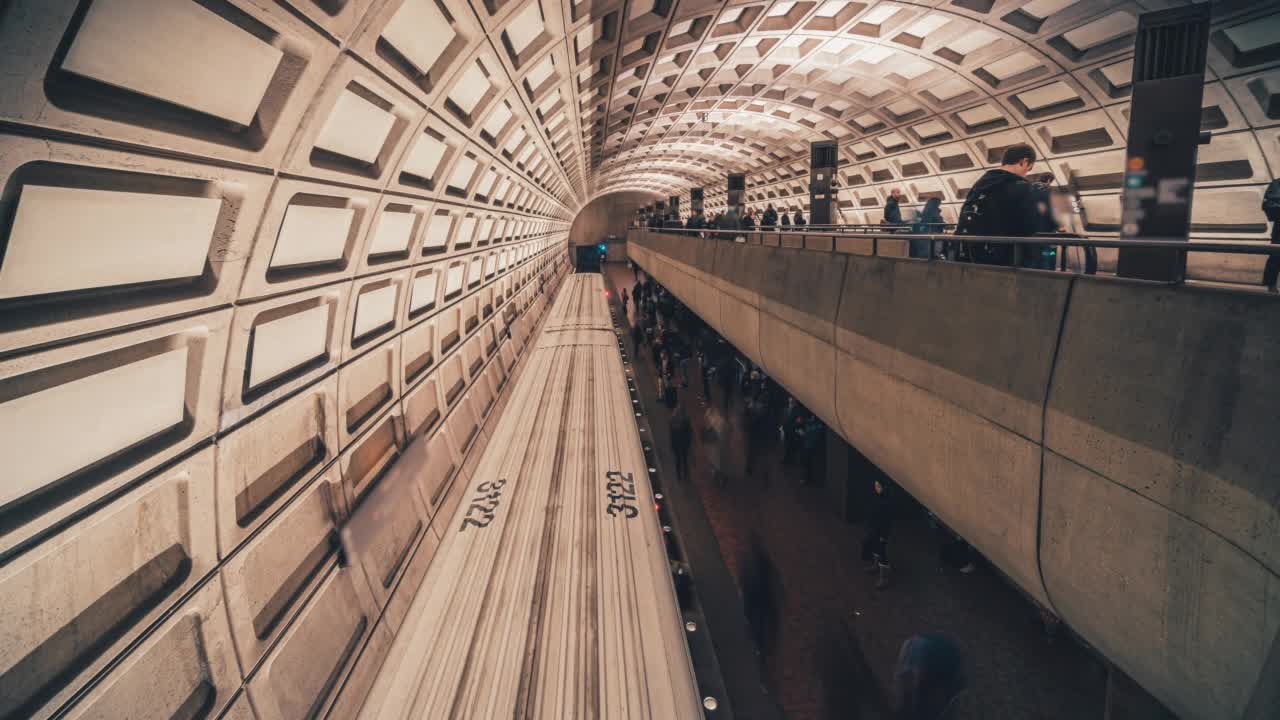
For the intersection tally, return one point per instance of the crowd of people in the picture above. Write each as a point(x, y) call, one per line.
point(677, 340)
point(770, 219)
point(696, 367)
point(1008, 201)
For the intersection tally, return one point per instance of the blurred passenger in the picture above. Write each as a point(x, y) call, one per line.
point(713, 439)
point(798, 218)
point(792, 421)
point(928, 677)
point(726, 373)
point(1001, 204)
point(1271, 206)
point(758, 579)
point(892, 209)
point(875, 546)
point(681, 439)
point(749, 220)
point(929, 222)
point(813, 437)
point(759, 428)
point(786, 221)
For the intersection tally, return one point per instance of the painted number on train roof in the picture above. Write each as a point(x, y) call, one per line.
point(621, 488)
point(480, 511)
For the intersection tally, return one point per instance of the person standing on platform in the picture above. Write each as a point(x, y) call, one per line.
point(814, 435)
point(713, 438)
point(707, 368)
point(681, 439)
point(769, 219)
point(625, 298)
point(928, 223)
point(792, 419)
point(786, 219)
point(1001, 204)
point(726, 375)
point(758, 429)
point(1271, 206)
point(892, 210)
point(798, 218)
point(875, 546)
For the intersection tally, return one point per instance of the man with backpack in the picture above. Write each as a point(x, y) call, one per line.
point(1001, 204)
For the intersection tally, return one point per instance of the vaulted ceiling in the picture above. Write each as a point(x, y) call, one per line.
point(662, 96)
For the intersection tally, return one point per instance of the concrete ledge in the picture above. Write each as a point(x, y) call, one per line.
point(981, 479)
point(981, 337)
point(1151, 506)
point(1188, 615)
point(1172, 393)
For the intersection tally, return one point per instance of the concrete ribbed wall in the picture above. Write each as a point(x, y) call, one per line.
point(1106, 443)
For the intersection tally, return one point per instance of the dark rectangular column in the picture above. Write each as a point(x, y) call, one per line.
point(824, 156)
point(695, 200)
point(673, 207)
point(735, 189)
point(1164, 135)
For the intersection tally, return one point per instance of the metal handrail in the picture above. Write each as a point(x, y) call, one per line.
point(1258, 248)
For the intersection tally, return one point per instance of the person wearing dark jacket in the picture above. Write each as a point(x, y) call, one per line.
point(681, 440)
point(1271, 206)
point(929, 223)
point(769, 219)
point(1001, 204)
point(875, 546)
point(749, 220)
point(697, 221)
point(892, 211)
point(798, 218)
point(786, 221)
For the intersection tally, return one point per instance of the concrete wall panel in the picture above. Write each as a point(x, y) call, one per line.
point(155, 95)
point(366, 387)
point(225, 162)
point(265, 462)
point(102, 239)
point(371, 454)
point(383, 531)
point(981, 337)
point(62, 455)
point(802, 363)
point(981, 479)
point(1176, 405)
point(356, 130)
point(279, 346)
point(310, 235)
point(1186, 613)
point(185, 665)
point(268, 580)
point(133, 559)
point(300, 676)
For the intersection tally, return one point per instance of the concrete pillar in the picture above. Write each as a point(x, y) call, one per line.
point(848, 478)
point(823, 159)
point(1126, 700)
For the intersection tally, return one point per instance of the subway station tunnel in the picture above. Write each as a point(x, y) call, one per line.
point(303, 412)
